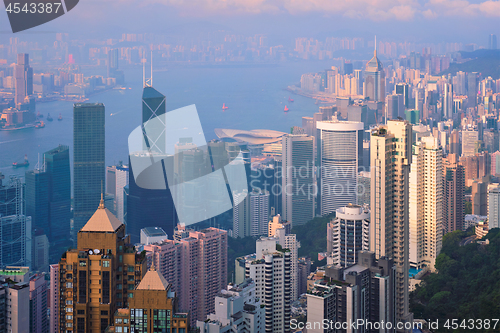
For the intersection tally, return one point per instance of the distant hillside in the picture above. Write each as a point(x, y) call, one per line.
point(486, 62)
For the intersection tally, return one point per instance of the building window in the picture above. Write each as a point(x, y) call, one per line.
point(105, 263)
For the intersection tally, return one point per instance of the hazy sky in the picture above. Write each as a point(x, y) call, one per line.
point(424, 20)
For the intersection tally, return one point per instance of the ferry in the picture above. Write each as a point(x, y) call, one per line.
point(224, 107)
point(40, 124)
point(60, 117)
point(290, 99)
point(49, 118)
point(16, 165)
point(286, 108)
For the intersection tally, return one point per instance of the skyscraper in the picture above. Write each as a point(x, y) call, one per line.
point(116, 179)
point(251, 215)
point(403, 89)
point(395, 106)
point(95, 278)
point(196, 266)
point(375, 79)
point(348, 234)
point(391, 148)
point(88, 160)
point(492, 42)
point(297, 179)
point(37, 199)
point(23, 78)
point(448, 101)
point(340, 155)
point(454, 194)
point(150, 207)
point(38, 304)
point(54, 299)
point(472, 89)
point(426, 203)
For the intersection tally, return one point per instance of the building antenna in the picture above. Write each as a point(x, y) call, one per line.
point(151, 80)
point(375, 52)
point(143, 72)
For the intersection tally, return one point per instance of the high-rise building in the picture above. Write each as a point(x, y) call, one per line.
point(394, 106)
point(88, 160)
point(277, 223)
point(472, 88)
point(57, 167)
point(492, 42)
point(96, 277)
point(454, 194)
point(152, 235)
point(391, 149)
point(152, 308)
point(298, 188)
point(470, 143)
point(270, 269)
point(494, 205)
point(23, 78)
point(340, 157)
point(237, 310)
point(116, 179)
point(37, 199)
point(15, 226)
point(403, 89)
point(454, 146)
point(426, 203)
point(150, 207)
point(15, 298)
point(196, 266)
point(54, 299)
point(479, 198)
point(38, 304)
point(375, 79)
point(364, 291)
point(348, 234)
point(251, 215)
point(448, 104)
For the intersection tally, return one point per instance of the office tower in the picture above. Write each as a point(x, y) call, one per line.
point(394, 106)
point(492, 42)
point(112, 64)
point(348, 234)
point(152, 308)
point(340, 155)
point(15, 298)
point(426, 203)
point(54, 299)
point(364, 183)
point(57, 167)
point(495, 163)
point(455, 147)
point(88, 160)
point(23, 78)
point(448, 103)
point(251, 215)
point(364, 291)
point(454, 194)
point(419, 94)
point(150, 207)
point(297, 179)
point(479, 198)
point(277, 223)
point(38, 304)
point(494, 205)
point(403, 89)
point(490, 140)
point(375, 79)
point(116, 179)
point(196, 266)
point(270, 269)
point(152, 235)
point(37, 199)
point(40, 250)
point(391, 148)
point(95, 278)
point(276, 191)
point(472, 89)
point(470, 143)
point(15, 226)
point(237, 310)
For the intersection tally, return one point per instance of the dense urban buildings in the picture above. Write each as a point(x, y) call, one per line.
point(88, 160)
point(454, 194)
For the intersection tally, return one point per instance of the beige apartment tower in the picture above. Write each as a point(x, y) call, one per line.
point(391, 152)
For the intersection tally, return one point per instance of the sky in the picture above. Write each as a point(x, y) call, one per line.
point(392, 20)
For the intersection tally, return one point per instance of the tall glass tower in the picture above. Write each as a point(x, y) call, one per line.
point(88, 160)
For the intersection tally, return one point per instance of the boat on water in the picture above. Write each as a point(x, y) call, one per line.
point(60, 117)
point(16, 165)
point(224, 107)
point(49, 118)
point(286, 109)
point(40, 124)
point(290, 99)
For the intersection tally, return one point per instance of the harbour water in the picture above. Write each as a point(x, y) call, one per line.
point(255, 97)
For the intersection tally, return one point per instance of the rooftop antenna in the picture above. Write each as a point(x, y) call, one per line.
point(151, 79)
point(375, 52)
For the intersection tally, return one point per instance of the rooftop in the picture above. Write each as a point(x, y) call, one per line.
point(102, 221)
point(153, 280)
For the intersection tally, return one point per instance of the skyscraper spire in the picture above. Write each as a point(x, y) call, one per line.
point(375, 51)
point(151, 78)
point(101, 204)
